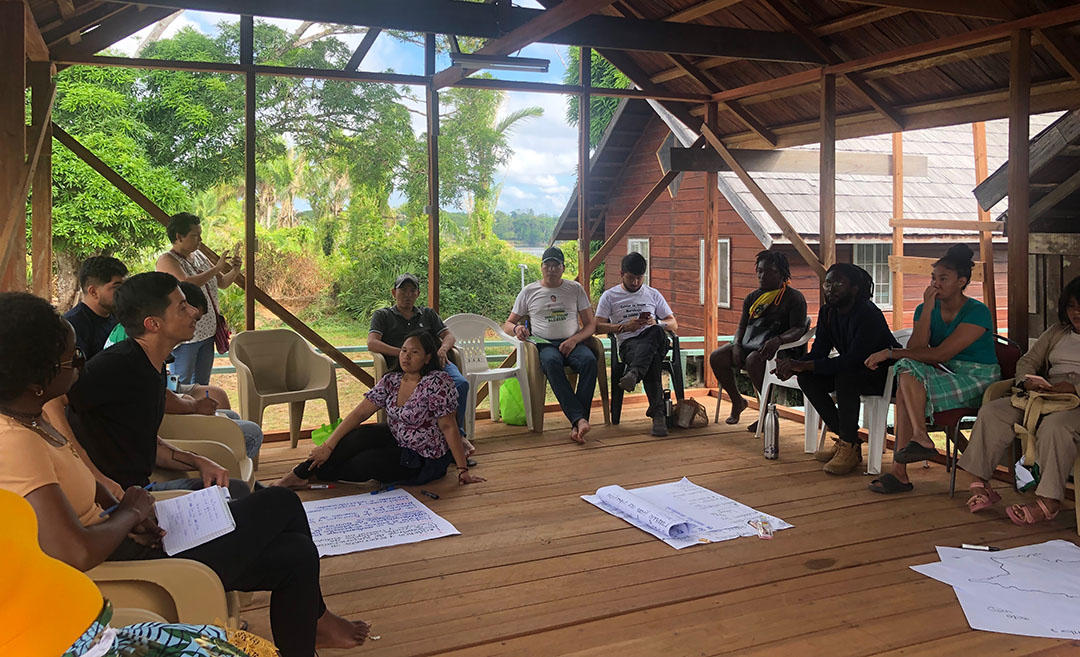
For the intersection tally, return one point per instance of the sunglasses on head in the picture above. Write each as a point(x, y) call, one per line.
point(78, 359)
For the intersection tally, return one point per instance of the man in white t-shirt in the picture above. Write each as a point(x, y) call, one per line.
point(638, 315)
point(560, 319)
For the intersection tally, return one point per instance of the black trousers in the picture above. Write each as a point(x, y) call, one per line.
point(643, 354)
point(270, 550)
point(367, 452)
point(842, 416)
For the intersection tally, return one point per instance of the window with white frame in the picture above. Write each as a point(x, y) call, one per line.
point(640, 245)
point(723, 272)
point(874, 258)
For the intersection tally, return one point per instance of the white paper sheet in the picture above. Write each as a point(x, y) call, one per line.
point(1028, 591)
point(709, 516)
point(193, 519)
point(364, 522)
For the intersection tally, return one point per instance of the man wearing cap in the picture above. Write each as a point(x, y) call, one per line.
point(554, 307)
point(639, 315)
point(390, 326)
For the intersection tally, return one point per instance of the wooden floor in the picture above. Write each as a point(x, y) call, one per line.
point(538, 571)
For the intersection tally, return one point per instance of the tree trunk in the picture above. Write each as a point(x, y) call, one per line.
point(67, 280)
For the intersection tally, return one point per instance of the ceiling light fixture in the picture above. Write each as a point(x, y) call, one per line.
point(530, 64)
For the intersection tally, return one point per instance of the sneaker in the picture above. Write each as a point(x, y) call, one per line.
point(628, 381)
point(846, 458)
point(659, 425)
point(826, 453)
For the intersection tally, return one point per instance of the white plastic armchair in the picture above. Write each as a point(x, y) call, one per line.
point(178, 590)
point(469, 331)
point(810, 421)
point(217, 438)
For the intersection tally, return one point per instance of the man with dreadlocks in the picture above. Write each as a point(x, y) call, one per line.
point(850, 323)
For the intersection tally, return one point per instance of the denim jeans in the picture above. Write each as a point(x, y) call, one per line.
point(462, 385)
point(253, 435)
point(575, 405)
point(194, 361)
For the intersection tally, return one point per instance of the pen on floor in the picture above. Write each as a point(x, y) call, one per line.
point(429, 494)
point(383, 490)
point(983, 548)
point(320, 486)
point(149, 486)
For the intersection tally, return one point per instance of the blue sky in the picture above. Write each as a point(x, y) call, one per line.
point(539, 175)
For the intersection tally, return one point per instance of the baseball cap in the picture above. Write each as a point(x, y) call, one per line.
point(553, 253)
point(406, 278)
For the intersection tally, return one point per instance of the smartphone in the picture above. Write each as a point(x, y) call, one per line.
point(1037, 380)
point(644, 315)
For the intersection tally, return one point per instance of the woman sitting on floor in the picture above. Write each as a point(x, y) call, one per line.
point(1055, 357)
point(270, 549)
point(417, 442)
point(948, 363)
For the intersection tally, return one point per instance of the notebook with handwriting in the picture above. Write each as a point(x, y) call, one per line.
point(193, 519)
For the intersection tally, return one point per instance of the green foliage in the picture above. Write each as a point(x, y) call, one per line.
point(596, 278)
point(484, 278)
point(525, 227)
point(601, 108)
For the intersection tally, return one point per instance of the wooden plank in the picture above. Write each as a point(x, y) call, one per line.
point(584, 113)
point(856, 19)
point(36, 50)
point(793, 161)
point(920, 266)
point(778, 217)
point(1060, 51)
point(898, 233)
point(1047, 145)
point(968, 8)
point(43, 91)
point(362, 49)
point(950, 224)
point(986, 243)
point(251, 245)
point(710, 266)
point(639, 210)
point(700, 9)
point(1059, 194)
point(12, 135)
point(827, 174)
point(432, 96)
point(549, 21)
point(1019, 110)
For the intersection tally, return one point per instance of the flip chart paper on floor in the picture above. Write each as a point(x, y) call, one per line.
point(707, 514)
point(364, 522)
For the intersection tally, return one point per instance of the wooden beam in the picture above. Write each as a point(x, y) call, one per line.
point(251, 245)
point(1067, 58)
point(243, 280)
point(857, 19)
point(69, 30)
point(432, 97)
point(1057, 195)
point(36, 50)
point(986, 243)
point(362, 49)
point(989, 10)
point(950, 224)
point(918, 266)
point(700, 9)
point(710, 266)
point(67, 8)
point(897, 233)
point(584, 112)
point(483, 20)
point(548, 21)
point(793, 161)
point(827, 174)
point(774, 213)
point(12, 129)
point(710, 85)
point(1019, 112)
point(43, 93)
point(124, 23)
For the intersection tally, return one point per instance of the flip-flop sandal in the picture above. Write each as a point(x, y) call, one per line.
point(887, 484)
point(983, 497)
point(913, 452)
point(1021, 514)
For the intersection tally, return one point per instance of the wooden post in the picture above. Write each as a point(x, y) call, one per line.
point(986, 239)
point(584, 101)
point(43, 88)
point(897, 232)
point(1017, 223)
point(12, 142)
point(711, 264)
point(827, 173)
point(433, 173)
point(247, 59)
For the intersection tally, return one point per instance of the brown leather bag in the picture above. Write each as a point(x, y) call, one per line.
point(690, 414)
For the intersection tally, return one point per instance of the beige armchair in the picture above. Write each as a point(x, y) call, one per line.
point(217, 438)
point(177, 590)
point(378, 361)
point(276, 366)
point(538, 382)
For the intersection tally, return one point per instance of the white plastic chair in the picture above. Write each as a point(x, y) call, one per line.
point(876, 415)
point(810, 422)
point(469, 331)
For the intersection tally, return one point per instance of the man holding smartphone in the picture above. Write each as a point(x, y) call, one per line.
point(639, 315)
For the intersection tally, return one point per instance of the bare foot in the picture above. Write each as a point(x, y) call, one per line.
point(292, 482)
point(335, 632)
point(583, 427)
point(737, 407)
point(470, 449)
point(574, 436)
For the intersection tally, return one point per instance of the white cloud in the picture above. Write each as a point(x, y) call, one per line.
point(517, 193)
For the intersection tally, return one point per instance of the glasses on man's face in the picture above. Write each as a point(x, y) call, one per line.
point(834, 285)
point(551, 265)
point(78, 359)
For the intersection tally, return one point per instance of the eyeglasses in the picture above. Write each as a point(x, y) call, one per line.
point(78, 360)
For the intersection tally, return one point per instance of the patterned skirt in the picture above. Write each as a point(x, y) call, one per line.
point(963, 388)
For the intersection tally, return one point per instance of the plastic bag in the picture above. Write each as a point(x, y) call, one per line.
point(319, 436)
point(511, 405)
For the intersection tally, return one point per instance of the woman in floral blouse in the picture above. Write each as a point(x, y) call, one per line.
point(416, 444)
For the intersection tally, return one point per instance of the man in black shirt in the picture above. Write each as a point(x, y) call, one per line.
point(92, 318)
point(850, 323)
point(116, 406)
point(390, 326)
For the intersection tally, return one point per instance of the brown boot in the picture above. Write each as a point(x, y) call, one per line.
point(846, 458)
point(828, 451)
